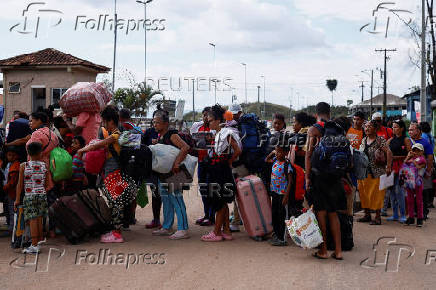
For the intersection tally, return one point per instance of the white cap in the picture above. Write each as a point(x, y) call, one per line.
point(418, 146)
point(376, 115)
point(235, 108)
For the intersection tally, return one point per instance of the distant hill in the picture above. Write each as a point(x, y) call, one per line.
point(271, 109)
point(252, 108)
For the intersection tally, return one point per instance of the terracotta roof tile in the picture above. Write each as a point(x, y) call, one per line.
point(50, 56)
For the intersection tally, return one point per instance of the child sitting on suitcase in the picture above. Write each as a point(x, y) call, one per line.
point(32, 180)
point(281, 179)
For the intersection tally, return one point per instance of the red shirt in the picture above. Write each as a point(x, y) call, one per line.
point(202, 153)
point(385, 132)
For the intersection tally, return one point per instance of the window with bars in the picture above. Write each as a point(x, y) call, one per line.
point(56, 94)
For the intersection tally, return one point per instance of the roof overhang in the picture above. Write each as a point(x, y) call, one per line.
point(4, 68)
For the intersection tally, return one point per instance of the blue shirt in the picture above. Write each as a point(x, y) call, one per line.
point(428, 150)
point(279, 182)
point(429, 138)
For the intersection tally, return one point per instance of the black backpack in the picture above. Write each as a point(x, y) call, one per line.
point(255, 138)
point(333, 154)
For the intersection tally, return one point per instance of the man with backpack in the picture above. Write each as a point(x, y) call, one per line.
point(327, 159)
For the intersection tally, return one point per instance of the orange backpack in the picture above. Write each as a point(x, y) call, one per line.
point(298, 180)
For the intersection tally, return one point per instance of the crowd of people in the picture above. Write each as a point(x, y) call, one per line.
point(291, 162)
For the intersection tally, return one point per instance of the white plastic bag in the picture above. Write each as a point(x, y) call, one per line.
point(164, 157)
point(386, 181)
point(304, 230)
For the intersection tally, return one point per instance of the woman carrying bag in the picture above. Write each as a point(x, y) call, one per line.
point(380, 162)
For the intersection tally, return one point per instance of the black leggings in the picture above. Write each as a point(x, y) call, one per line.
point(278, 215)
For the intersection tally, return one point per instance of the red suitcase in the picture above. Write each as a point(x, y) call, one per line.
point(254, 206)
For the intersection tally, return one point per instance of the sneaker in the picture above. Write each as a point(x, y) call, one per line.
point(410, 221)
point(153, 224)
point(392, 218)
point(227, 237)
point(211, 237)
point(402, 219)
point(126, 228)
point(234, 228)
point(31, 250)
point(42, 242)
point(278, 243)
point(419, 223)
point(162, 232)
point(200, 220)
point(112, 237)
point(179, 235)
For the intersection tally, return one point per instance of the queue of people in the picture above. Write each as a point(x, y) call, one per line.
point(327, 183)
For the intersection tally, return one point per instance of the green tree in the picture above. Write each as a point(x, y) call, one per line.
point(331, 85)
point(138, 98)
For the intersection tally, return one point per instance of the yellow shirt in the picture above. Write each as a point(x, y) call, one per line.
point(116, 134)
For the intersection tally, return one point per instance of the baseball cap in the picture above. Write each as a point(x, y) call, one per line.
point(376, 115)
point(418, 146)
point(235, 108)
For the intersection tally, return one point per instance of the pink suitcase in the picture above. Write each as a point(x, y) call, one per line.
point(254, 206)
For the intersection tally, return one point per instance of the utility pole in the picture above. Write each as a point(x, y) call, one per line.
point(258, 99)
point(245, 66)
point(362, 86)
point(372, 86)
point(290, 105)
point(193, 101)
point(115, 45)
point(145, 38)
point(264, 98)
point(423, 95)
point(384, 81)
point(214, 66)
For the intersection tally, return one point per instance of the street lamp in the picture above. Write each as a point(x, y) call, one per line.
point(214, 66)
point(145, 38)
point(245, 66)
point(264, 102)
point(115, 45)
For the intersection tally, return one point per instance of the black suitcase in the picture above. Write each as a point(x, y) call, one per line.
point(98, 207)
point(73, 218)
point(347, 242)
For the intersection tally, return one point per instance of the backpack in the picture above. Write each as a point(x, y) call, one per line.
point(134, 161)
point(360, 164)
point(191, 143)
point(298, 180)
point(255, 141)
point(409, 177)
point(333, 154)
point(61, 164)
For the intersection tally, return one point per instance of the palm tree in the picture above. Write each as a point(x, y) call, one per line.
point(332, 84)
point(138, 98)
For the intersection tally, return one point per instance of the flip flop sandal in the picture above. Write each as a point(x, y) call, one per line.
point(336, 258)
point(318, 256)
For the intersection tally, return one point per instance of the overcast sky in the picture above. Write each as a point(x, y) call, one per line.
point(295, 44)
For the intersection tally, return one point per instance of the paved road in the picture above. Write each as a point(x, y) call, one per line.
point(238, 264)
